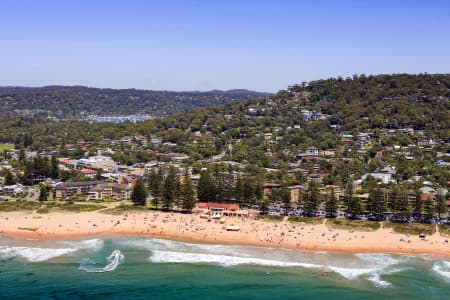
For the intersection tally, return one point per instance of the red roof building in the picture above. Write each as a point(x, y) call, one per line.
point(88, 171)
point(225, 206)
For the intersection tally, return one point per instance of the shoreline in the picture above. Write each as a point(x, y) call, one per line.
point(193, 229)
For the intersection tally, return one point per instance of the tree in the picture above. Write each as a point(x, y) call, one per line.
point(248, 189)
point(187, 195)
point(219, 183)
point(44, 192)
point(10, 179)
point(285, 197)
point(331, 205)
point(27, 140)
point(229, 191)
point(258, 191)
point(238, 188)
point(348, 195)
point(139, 194)
point(22, 156)
point(312, 200)
point(393, 200)
point(404, 211)
point(98, 174)
point(27, 177)
point(178, 188)
point(54, 168)
point(169, 191)
point(376, 204)
point(206, 188)
point(441, 206)
point(418, 205)
point(264, 205)
point(154, 185)
point(354, 205)
point(355, 208)
point(429, 210)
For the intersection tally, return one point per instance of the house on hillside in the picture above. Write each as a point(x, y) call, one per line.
point(297, 192)
point(385, 178)
point(89, 173)
point(269, 186)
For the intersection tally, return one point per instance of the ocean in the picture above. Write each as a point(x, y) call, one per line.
point(151, 268)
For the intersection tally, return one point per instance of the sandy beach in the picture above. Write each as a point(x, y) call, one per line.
point(186, 227)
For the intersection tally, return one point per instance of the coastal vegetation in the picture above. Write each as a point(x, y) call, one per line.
point(19, 205)
point(444, 230)
point(305, 220)
point(123, 209)
point(358, 225)
point(6, 147)
point(271, 218)
point(73, 207)
point(46, 207)
point(411, 228)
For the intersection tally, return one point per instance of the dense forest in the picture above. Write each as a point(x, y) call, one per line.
point(78, 101)
point(384, 101)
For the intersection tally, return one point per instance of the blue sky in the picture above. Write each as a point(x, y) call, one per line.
point(204, 45)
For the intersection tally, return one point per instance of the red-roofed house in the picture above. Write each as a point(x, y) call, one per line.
point(225, 206)
point(89, 173)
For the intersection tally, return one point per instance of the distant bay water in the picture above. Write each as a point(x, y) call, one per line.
point(150, 268)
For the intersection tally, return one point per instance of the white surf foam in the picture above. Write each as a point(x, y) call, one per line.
point(39, 254)
point(351, 273)
point(33, 254)
point(385, 264)
point(379, 259)
point(442, 268)
point(371, 266)
point(224, 260)
point(84, 244)
point(114, 260)
point(169, 245)
point(378, 282)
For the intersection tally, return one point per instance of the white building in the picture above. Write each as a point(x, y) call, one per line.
point(385, 178)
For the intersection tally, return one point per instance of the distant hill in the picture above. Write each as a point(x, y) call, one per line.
point(316, 114)
point(80, 101)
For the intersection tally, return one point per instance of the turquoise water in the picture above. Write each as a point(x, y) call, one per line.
point(148, 268)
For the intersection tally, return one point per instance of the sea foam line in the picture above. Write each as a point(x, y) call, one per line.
point(114, 260)
point(442, 268)
point(225, 260)
point(33, 254)
point(84, 244)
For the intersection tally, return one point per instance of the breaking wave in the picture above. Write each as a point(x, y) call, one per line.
point(33, 254)
point(378, 282)
point(224, 260)
point(114, 260)
point(84, 244)
point(370, 266)
point(442, 268)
